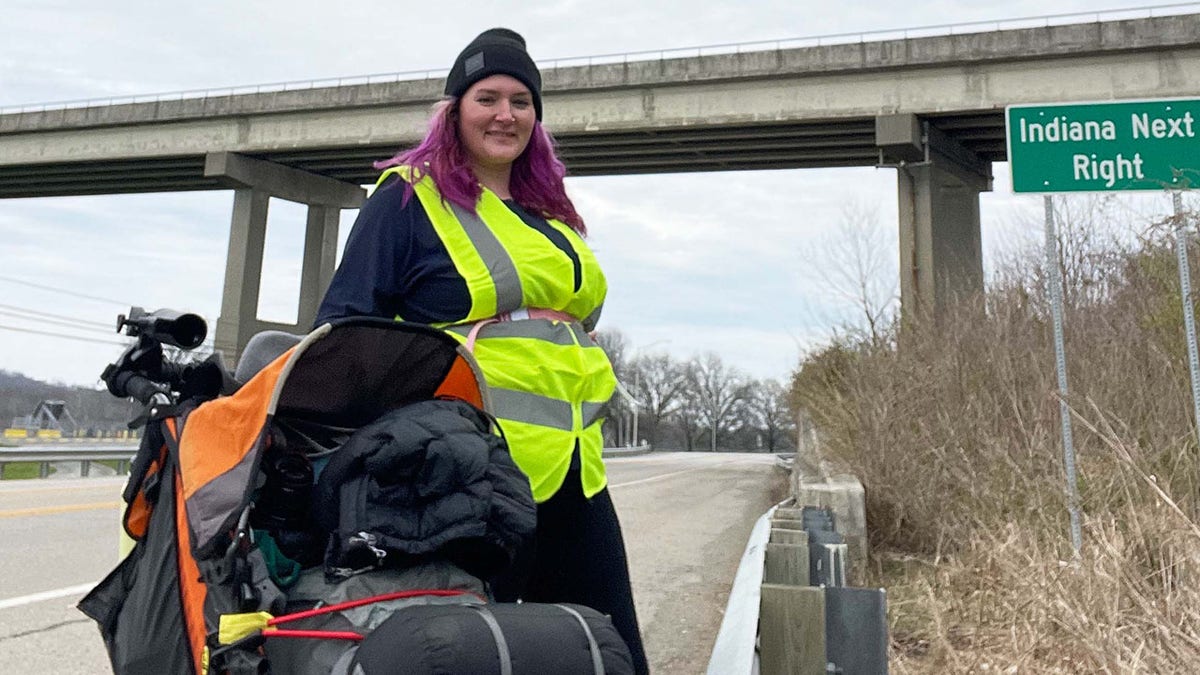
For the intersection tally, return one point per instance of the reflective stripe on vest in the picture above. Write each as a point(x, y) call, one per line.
point(549, 382)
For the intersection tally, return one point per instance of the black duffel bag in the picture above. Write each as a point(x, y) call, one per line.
point(499, 639)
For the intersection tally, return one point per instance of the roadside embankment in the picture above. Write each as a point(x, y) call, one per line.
point(953, 427)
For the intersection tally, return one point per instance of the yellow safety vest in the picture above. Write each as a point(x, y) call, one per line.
point(548, 381)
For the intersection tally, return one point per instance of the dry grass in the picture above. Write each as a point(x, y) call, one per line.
point(956, 435)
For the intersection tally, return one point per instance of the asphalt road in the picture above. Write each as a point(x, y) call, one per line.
point(686, 518)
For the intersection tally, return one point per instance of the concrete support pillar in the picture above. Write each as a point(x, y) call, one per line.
point(255, 182)
point(938, 183)
point(243, 271)
point(940, 252)
point(320, 258)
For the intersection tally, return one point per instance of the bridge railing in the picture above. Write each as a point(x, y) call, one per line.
point(1149, 11)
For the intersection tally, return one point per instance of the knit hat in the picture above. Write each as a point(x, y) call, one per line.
point(497, 51)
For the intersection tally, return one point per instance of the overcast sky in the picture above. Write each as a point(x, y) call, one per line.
point(719, 262)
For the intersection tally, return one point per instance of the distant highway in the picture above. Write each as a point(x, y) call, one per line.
point(686, 517)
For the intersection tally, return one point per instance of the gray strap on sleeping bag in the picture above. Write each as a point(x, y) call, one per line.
point(498, 635)
point(597, 662)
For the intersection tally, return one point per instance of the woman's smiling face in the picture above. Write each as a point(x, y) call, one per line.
point(495, 120)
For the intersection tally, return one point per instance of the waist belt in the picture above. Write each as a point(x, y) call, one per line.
point(516, 315)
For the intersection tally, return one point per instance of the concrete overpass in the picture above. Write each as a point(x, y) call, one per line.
point(932, 107)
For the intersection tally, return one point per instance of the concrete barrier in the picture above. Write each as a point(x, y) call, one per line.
point(632, 451)
point(843, 494)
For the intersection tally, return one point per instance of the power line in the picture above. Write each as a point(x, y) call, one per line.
point(64, 336)
point(79, 324)
point(58, 322)
point(64, 291)
point(110, 325)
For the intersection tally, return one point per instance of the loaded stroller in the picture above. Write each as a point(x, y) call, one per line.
point(339, 510)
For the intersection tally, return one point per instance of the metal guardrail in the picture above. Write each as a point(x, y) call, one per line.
point(85, 456)
point(33, 441)
point(122, 454)
point(1148, 11)
point(734, 651)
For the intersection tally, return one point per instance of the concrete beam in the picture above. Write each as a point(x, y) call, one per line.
point(282, 181)
point(949, 153)
point(904, 138)
point(900, 138)
point(978, 75)
point(896, 60)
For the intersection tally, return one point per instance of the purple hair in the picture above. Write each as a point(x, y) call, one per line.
point(537, 175)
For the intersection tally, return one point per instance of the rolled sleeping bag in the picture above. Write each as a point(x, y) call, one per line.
point(493, 639)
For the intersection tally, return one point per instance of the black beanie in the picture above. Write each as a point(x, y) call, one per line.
point(497, 51)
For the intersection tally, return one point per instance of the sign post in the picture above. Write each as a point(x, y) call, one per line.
point(1060, 363)
point(1105, 147)
point(1185, 295)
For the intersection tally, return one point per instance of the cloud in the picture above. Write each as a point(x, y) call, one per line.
point(714, 257)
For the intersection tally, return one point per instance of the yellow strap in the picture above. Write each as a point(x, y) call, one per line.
point(234, 627)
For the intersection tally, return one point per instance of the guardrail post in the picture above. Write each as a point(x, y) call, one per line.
point(788, 523)
point(786, 564)
point(783, 535)
point(792, 630)
point(791, 624)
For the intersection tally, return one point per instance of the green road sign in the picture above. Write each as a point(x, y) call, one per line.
point(1104, 147)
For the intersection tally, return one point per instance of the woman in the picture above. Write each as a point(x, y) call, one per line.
point(472, 231)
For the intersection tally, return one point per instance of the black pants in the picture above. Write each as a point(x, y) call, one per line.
point(577, 556)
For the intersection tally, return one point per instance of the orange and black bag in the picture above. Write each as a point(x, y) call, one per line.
point(192, 485)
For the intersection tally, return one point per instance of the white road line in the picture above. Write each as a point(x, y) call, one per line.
point(674, 473)
point(98, 483)
point(46, 595)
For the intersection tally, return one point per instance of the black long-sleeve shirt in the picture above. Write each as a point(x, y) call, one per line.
point(394, 263)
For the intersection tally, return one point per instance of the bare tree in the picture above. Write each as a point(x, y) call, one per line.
point(687, 414)
point(613, 343)
point(1094, 235)
point(1092, 242)
point(719, 392)
point(769, 409)
point(855, 263)
point(658, 385)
